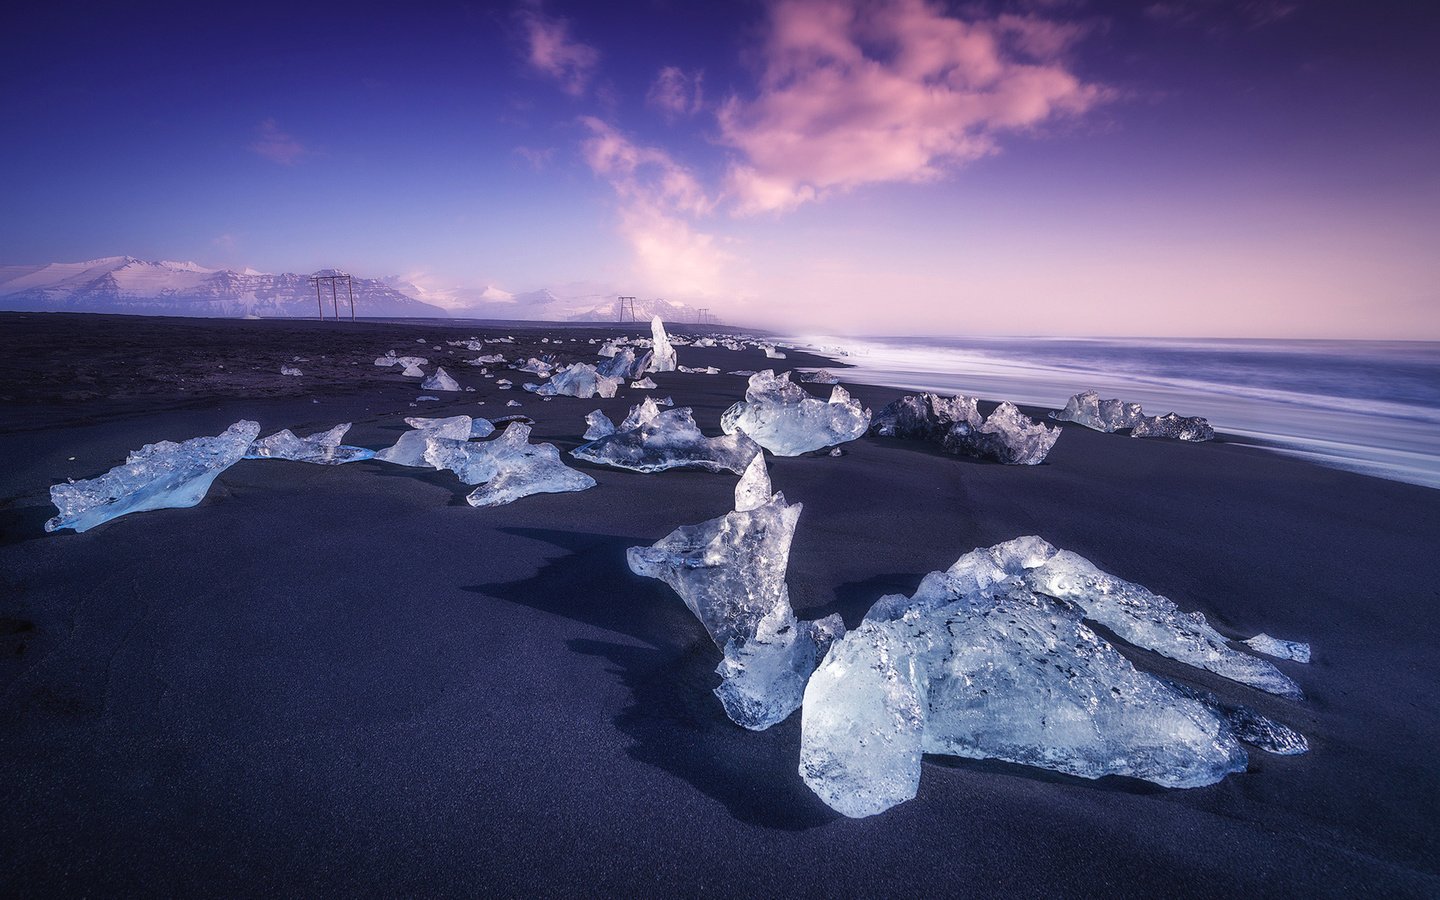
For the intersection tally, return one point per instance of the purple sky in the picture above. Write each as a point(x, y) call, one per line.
point(1261, 168)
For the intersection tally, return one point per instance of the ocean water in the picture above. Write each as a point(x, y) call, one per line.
point(1365, 406)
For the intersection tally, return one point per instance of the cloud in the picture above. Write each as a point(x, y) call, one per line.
point(856, 92)
point(537, 157)
point(675, 93)
point(550, 50)
point(278, 146)
point(658, 197)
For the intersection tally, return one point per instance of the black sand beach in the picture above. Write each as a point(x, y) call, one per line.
point(344, 680)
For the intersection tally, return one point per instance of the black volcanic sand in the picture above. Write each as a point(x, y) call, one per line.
point(347, 681)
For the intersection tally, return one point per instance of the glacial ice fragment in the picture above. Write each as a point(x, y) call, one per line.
point(1007, 436)
point(702, 370)
point(1270, 646)
point(644, 384)
point(624, 365)
point(162, 475)
point(1176, 428)
point(782, 418)
point(1102, 415)
point(291, 370)
point(730, 572)
point(409, 450)
point(663, 359)
point(649, 440)
point(510, 467)
point(323, 448)
point(1003, 673)
point(578, 380)
point(597, 425)
point(440, 381)
point(928, 417)
point(820, 376)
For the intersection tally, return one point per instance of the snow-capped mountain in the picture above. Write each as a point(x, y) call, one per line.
point(124, 284)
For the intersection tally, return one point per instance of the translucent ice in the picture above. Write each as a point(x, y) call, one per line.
point(820, 376)
point(644, 384)
point(928, 417)
point(623, 365)
point(771, 352)
point(730, 572)
point(664, 354)
point(323, 448)
point(509, 466)
point(1102, 415)
point(649, 440)
point(440, 381)
point(597, 425)
point(579, 380)
point(1176, 428)
point(704, 370)
point(157, 476)
point(1007, 436)
point(290, 370)
point(785, 420)
point(409, 450)
point(1270, 646)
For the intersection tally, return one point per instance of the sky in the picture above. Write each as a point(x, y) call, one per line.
point(1261, 168)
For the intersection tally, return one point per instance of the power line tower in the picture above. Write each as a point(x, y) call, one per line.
point(333, 277)
point(702, 315)
point(626, 306)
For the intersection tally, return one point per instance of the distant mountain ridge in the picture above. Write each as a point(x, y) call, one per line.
point(125, 284)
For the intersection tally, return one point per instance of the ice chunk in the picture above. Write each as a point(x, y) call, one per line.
point(597, 425)
point(534, 366)
point(753, 489)
point(323, 448)
point(928, 417)
point(1007, 435)
point(409, 450)
point(578, 380)
point(1177, 428)
point(163, 475)
point(623, 365)
point(663, 359)
point(513, 403)
point(440, 381)
point(743, 373)
point(1102, 415)
point(405, 362)
point(290, 370)
point(644, 384)
point(820, 376)
point(705, 370)
point(509, 466)
point(1270, 646)
point(730, 572)
point(1007, 674)
point(785, 420)
point(649, 440)
point(771, 352)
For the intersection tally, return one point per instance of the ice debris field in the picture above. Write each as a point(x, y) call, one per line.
point(993, 658)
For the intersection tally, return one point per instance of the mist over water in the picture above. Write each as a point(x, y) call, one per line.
point(1365, 406)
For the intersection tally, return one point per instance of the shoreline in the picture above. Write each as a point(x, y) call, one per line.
point(347, 680)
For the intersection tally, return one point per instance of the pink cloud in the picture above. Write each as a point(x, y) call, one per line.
point(856, 92)
point(676, 93)
point(278, 146)
point(552, 52)
point(658, 197)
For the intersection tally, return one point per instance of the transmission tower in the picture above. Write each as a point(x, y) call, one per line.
point(626, 306)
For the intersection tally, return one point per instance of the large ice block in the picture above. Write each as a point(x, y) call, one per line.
point(1174, 427)
point(409, 450)
point(163, 475)
point(651, 440)
point(730, 572)
point(1115, 415)
point(506, 468)
point(928, 417)
point(782, 418)
point(1007, 436)
point(323, 448)
point(623, 364)
point(663, 359)
point(578, 380)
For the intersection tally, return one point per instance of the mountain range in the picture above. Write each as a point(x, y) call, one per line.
point(125, 284)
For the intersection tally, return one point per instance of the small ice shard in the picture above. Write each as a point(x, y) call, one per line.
point(1275, 647)
point(597, 425)
point(624, 365)
point(703, 370)
point(423, 397)
point(999, 673)
point(513, 403)
point(820, 376)
point(1176, 428)
point(405, 362)
point(743, 373)
point(409, 450)
point(323, 448)
point(1007, 436)
point(649, 440)
point(413, 371)
point(730, 572)
point(785, 420)
point(509, 466)
point(644, 384)
point(771, 352)
point(504, 384)
point(290, 370)
point(163, 475)
point(440, 381)
point(704, 342)
point(663, 358)
point(928, 417)
point(534, 366)
point(486, 360)
point(1102, 415)
point(578, 380)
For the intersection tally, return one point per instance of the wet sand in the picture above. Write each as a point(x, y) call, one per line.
point(344, 680)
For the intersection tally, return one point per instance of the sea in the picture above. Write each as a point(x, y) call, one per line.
point(1365, 406)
